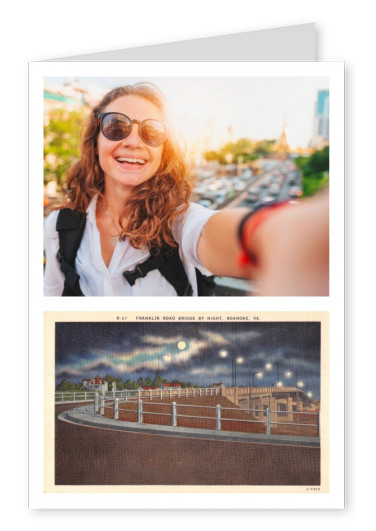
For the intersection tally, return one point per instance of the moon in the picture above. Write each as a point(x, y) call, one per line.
point(182, 345)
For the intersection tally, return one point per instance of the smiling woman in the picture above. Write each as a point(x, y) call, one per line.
point(131, 189)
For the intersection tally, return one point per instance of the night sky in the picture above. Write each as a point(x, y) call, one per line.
point(192, 352)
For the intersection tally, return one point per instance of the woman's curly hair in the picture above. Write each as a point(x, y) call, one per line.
point(153, 205)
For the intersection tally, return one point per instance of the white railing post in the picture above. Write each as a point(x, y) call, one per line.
point(268, 421)
point(140, 413)
point(101, 410)
point(116, 409)
point(96, 403)
point(150, 394)
point(74, 396)
point(173, 414)
point(170, 392)
point(139, 394)
point(218, 418)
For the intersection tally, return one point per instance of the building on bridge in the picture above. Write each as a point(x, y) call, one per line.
point(96, 384)
point(170, 385)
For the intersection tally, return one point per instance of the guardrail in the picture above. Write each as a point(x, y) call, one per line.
point(179, 392)
point(74, 396)
point(217, 418)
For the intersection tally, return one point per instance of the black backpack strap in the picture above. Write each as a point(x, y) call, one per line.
point(70, 225)
point(205, 284)
point(168, 262)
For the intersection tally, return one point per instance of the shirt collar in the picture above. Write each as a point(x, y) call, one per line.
point(91, 210)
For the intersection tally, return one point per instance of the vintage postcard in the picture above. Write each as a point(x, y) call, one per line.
point(184, 402)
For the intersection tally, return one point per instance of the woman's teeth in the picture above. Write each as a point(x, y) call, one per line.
point(130, 161)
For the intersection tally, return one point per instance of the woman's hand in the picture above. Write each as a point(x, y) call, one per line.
point(291, 247)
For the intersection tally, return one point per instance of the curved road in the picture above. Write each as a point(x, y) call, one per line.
point(92, 456)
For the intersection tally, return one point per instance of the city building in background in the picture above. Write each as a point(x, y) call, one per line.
point(320, 137)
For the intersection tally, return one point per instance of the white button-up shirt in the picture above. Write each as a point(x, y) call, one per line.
point(98, 280)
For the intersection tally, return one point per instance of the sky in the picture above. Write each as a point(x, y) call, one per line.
point(203, 109)
point(195, 351)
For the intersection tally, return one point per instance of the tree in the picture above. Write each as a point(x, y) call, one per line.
point(130, 385)
point(63, 386)
point(157, 382)
point(119, 384)
point(110, 379)
point(61, 143)
point(264, 147)
point(315, 171)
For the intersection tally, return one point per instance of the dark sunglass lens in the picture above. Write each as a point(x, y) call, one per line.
point(153, 132)
point(115, 126)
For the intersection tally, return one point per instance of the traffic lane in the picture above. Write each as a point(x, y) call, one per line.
point(265, 192)
point(92, 456)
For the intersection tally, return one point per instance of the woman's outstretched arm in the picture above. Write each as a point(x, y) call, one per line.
point(290, 247)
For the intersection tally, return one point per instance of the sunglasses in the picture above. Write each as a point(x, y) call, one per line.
point(117, 126)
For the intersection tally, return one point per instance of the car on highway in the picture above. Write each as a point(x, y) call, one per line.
point(268, 199)
point(265, 183)
point(295, 191)
point(253, 196)
point(205, 203)
point(274, 189)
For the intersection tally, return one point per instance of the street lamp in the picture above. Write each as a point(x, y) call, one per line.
point(258, 374)
point(269, 367)
point(166, 357)
point(234, 362)
point(289, 374)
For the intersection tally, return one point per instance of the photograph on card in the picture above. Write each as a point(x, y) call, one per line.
point(186, 186)
point(187, 400)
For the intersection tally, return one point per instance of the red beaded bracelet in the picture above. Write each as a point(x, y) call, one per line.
point(247, 227)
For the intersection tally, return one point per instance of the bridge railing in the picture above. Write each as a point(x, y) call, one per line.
point(216, 415)
point(137, 394)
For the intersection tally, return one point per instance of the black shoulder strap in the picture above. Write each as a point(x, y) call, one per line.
point(205, 284)
point(168, 262)
point(70, 225)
